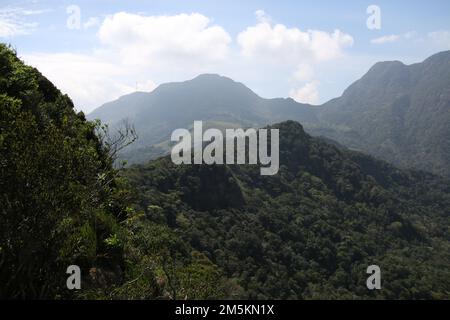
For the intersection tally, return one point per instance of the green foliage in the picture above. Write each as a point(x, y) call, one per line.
point(63, 203)
point(53, 205)
point(311, 230)
point(162, 231)
point(163, 266)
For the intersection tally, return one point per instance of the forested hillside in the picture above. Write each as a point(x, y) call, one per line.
point(62, 203)
point(311, 230)
point(161, 231)
point(396, 112)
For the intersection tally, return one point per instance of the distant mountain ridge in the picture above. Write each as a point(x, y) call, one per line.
point(206, 97)
point(397, 112)
point(217, 100)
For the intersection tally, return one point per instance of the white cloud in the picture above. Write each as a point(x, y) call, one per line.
point(13, 21)
point(440, 38)
point(145, 40)
point(92, 22)
point(435, 41)
point(88, 80)
point(304, 72)
point(296, 50)
point(309, 93)
point(262, 16)
point(133, 50)
point(299, 51)
point(410, 35)
point(136, 51)
point(385, 39)
point(291, 45)
point(146, 86)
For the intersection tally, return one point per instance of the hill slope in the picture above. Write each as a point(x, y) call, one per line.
point(55, 210)
point(398, 113)
point(62, 204)
point(218, 101)
point(395, 112)
point(311, 230)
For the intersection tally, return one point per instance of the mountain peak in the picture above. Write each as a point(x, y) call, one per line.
point(388, 63)
point(206, 81)
point(440, 58)
point(397, 111)
point(383, 79)
point(385, 68)
point(211, 76)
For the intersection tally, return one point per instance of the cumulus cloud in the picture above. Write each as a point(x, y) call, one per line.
point(143, 40)
point(88, 80)
point(278, 42)
point(133, 50)
point(309, 93)
point(304, 72)
point(300, 50)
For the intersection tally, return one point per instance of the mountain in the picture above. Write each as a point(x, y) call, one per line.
point(63, 204)
point(396, 112)
point(161, 231)
point(218, 101)
point(310, 231)
point(59, 198)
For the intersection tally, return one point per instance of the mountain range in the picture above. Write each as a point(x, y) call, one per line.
point(165, 231)
point(396, 112)
point(219, 101)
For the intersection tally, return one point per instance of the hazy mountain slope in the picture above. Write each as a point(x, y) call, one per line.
point(397, 112)
point(220, 101)
point(311, 230)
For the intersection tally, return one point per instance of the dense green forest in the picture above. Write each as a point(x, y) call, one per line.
point(311, 230)
point(62, 203)
point(160, 231)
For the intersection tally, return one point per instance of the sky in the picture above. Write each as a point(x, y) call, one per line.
point(97, 51)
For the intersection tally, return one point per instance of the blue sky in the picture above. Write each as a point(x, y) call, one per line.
point(309, 50)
